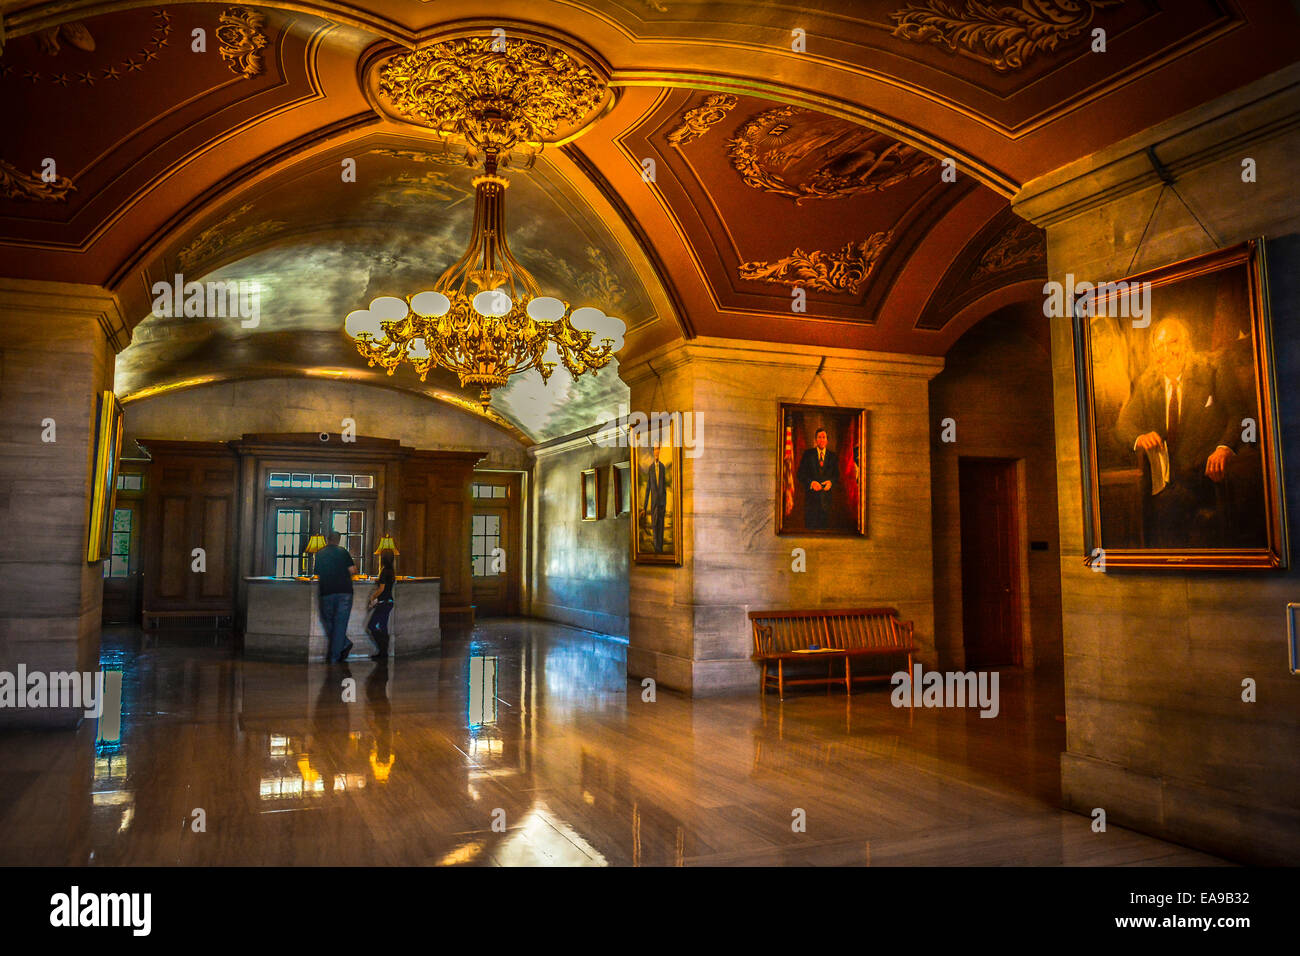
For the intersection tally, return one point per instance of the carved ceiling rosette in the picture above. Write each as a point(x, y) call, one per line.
point(795, 152)
point(493, 93)
point(239, 31)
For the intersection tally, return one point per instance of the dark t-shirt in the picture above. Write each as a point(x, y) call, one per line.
point(386, 577)
point(332, 563)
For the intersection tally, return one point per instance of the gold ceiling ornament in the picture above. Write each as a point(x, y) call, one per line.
point(797, 152)
point(694, 123)
point(18, 185)
point(485, 318)
point(79, 37)
point(494, 93)
point(1021, 245)
point(1005, 36)
point(222, 235)
point(844, 271)
point(239, 31)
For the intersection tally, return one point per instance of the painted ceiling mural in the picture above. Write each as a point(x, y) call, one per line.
point(129, 156)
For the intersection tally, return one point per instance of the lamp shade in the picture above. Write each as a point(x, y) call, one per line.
point(387, 543)
point(586, 318)
point(388, 308)
point(431, 303)
point(315, 543)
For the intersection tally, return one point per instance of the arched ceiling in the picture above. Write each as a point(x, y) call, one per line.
point(819, 168)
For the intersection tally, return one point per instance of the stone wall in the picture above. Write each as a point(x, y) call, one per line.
point(227, 410)
point(1157, 732)
point(996, 386)
point(581, 567)
point(688, 626)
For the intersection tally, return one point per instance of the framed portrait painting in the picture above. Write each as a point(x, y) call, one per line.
point(820, 455)
point(622, 487)
point(657, 495)
point(103, 490)
point(1178, 428)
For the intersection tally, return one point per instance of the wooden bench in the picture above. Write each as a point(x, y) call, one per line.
point(837, 634)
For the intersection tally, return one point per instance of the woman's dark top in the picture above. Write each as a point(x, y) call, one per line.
point(386, 578)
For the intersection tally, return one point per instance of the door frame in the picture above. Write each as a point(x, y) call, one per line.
point(516, 515)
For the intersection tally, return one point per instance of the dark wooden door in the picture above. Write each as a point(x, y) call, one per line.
point(990, 561)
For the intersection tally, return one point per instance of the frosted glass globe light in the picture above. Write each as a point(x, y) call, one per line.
point(586, 318)
point(388, 308)
point(361, 321)
point(492, 302)
point(433, 304)
point(544, 308)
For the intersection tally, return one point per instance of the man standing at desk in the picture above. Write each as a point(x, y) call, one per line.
point(334, 570)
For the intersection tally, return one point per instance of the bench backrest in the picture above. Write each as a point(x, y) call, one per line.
point(776, 631)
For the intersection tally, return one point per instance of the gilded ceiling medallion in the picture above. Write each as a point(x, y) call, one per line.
point(844, 271)
point(792, 151)
point(17, 185)
point(494, 94)
point(239, 31)
point(1003, 35)
point(1022, 245)
point(694, 123)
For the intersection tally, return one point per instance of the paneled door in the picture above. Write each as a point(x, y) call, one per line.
point(494, 543)
point(990, 561)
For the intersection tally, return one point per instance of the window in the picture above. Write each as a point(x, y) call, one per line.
point(130, 482)
point(290, 541)
point(118, 564)
point(488, 491)
point(285, 479)
point(485, 537)
point(351, 526)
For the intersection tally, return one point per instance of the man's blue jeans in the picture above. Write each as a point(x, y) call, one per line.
point(335, 609)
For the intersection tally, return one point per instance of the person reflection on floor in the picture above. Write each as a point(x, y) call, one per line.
point(380, 711)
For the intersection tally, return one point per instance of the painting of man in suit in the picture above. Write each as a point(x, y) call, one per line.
point(820, 470)
point(656, 499)
point(1182, 454)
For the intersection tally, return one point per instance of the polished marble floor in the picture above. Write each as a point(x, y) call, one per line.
point(524, 744)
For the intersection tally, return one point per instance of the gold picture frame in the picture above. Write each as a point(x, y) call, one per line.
point(656, 525)
point(841, 509)
point(592, 497)
point(103, 489)
point(1159, 490)
point(622, 473)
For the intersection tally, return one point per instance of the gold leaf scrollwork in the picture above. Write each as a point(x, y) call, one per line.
point(17, 185)
point(698, 121)
point(520, 94)
point(850, 160)
point(1003, 35)
point(1019, 246)
point(842, 271)
point(222, 235)
point(239, 31)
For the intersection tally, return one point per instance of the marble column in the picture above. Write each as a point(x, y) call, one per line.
point(688, 625)
point(57, 352)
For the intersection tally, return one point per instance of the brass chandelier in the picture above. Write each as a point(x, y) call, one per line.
point(485, 318)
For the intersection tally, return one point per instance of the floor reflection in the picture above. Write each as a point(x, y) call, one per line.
point(523, 743)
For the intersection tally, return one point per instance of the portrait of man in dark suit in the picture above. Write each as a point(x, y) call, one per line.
point(818, 475)
point(1185, 413)
point(655, 506)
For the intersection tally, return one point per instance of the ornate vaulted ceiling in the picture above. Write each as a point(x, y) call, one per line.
point(792, 148)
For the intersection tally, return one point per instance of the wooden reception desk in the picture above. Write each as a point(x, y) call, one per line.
point(283, 621)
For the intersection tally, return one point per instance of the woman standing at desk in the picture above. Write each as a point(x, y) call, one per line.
point(382, 602)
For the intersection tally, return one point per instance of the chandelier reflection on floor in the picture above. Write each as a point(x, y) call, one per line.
point(485, 318)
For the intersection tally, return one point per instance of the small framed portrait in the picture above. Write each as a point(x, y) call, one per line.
point(820, 454)
point(657, 494)
point(592, 503)
point(1178, 430)
point(622, 472)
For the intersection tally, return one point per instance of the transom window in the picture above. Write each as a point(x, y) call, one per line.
point(487, 491)
point(130, 482)
point(319, 482)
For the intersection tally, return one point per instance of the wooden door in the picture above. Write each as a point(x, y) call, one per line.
point(122, 568)
point(990, 561)
point(494, 543)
